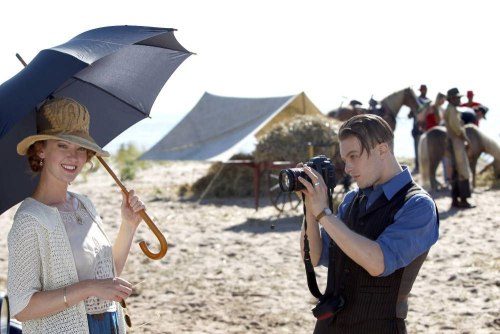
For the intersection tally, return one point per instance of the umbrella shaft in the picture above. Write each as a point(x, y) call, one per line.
point(145, 217)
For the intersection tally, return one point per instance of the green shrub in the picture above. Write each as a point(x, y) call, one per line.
point(91, 167)
point(127, 160)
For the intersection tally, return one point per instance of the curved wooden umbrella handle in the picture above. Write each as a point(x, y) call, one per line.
point(145, 217)
point(159, 236)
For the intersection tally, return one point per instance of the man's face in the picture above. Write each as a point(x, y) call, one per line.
point(365, 169)
point(455, 100)
point(479, 114)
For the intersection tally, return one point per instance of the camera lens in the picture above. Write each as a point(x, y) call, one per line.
point(289, 179)
point(284, 180)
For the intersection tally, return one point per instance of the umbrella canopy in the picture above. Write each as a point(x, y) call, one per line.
point(116, 72)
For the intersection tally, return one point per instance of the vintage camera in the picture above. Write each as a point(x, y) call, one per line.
point(328, 307)
point(289, 178)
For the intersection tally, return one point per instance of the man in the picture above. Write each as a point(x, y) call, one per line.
point(473, 116)
point(460, 187)
point(480, 111)
point(372, 104)
point(477, 114)
point(422, 98)
point(377, 243)
point(417, 128)
point(470, 101)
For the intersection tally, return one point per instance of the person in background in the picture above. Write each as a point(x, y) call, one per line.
point(433, 117)
point(376, 244)
point(460, 186)
point(64, 273)
point(434, 112)
point(470, 101)
point(468, 116)
point(355, 104)
point(478, 110)
point(373, 104)
point(417, 128)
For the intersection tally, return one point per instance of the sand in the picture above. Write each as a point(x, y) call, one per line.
point(228, 271)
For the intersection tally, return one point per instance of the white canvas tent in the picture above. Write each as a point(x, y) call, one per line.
point(219, 127)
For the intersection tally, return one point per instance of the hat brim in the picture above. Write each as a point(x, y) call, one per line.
point(23, 146)
point(484, 114)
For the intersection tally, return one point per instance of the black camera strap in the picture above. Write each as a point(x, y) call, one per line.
point(311, 275)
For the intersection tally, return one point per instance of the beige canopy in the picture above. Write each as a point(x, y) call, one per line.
point(219, 127)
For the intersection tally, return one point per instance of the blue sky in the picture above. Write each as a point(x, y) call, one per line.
point(334, 51)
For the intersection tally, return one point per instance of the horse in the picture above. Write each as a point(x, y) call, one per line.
point(389, 107)
point(432, 149)
point(342, 114)
point(388, 110)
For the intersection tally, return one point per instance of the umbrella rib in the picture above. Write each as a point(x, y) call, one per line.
point(106, 92)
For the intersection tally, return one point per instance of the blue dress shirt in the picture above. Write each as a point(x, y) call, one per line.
point(414, 231)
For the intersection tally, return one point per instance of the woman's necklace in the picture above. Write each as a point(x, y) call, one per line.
point(79, 218)
point(72, 205)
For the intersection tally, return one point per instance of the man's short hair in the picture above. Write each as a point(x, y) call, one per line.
point(369, 129)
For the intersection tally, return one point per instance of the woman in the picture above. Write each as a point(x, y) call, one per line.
point(433, 113)
point(63, 271)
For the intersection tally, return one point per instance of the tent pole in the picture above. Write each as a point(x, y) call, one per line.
point(211, 183)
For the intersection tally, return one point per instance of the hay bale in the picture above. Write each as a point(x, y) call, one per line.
point(232, 181)
point(290, 141)
point(487, 178)
point(287, 141)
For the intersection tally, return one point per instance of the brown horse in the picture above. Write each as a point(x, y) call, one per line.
point(432, 149)
point(390, 106)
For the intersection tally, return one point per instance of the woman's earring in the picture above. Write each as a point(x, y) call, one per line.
point(41, 163)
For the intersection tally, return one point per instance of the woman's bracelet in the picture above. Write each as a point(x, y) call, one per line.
point(65, 299)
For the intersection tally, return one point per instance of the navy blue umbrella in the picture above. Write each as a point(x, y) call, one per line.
point(116, 72)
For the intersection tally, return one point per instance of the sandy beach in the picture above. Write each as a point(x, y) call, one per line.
point(228, 271)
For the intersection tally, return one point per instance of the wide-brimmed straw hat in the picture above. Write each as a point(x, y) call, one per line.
point(62, 119)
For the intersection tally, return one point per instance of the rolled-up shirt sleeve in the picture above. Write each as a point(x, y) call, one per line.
point(414, 231)
point(325, 239)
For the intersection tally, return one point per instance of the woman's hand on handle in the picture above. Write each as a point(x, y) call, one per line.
point(131, 205)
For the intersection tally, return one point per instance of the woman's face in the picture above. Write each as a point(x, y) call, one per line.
point(63, 161)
